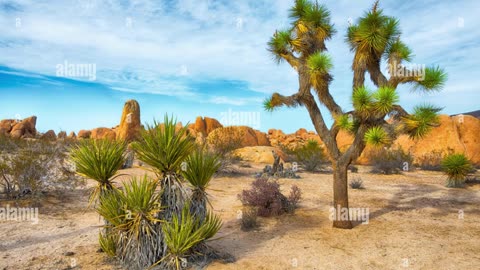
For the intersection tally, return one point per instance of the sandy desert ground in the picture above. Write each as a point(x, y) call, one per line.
point(415, 223)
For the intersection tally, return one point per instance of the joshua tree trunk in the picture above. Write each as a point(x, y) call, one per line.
point(340, 196)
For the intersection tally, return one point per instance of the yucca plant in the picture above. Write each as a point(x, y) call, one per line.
point(98, 160)
point(184, 233)
point(199, 170)
point(456, 167)
point(165, 147)
point(132, 217)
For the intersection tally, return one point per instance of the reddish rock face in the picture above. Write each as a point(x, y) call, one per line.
point(62, 135)
point(25, 128)
point(84, 134)
point(204, 125)
point(49, 136)
point(102, 133)
point(249, 136)
point(6, 125)
point(72, 135)
point(130, 125)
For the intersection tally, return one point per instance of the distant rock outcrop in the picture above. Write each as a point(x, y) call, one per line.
point(204, 126)
point(103, 133)
point(49, 136)
point(259, 154)
point(6, 126)
point(130, 123)
point(247, 136)
point(25, 128)
point(84, 134)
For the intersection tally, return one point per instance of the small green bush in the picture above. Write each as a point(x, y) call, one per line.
point(456, 167)
point(310, 156)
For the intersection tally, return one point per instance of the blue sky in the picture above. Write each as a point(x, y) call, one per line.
point(202, 57)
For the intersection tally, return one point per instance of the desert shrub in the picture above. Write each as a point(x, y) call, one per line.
point(391, 161)
point(456, 167)
point(34, 166)
point(266, 197)
point(222, 142)
point(432, 161)
point(356, 183)
point(248, 220)
point(310, 155)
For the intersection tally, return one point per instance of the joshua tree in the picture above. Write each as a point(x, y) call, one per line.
point(374, 37)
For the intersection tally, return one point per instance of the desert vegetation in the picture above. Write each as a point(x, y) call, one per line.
point(372, 37)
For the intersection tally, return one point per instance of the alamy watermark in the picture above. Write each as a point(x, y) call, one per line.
point(19, 214)
point(400, 70)
point(234, 118)
point(353, 214)
point(72, 70)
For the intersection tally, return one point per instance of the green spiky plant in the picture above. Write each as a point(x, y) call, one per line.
point(185, 232)
point(373, 38)
point(98, 160)
point(199, 169)
point(456, 167)
point(132, 217)
point(165, 147)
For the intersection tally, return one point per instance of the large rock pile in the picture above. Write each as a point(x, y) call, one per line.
point(19, 129)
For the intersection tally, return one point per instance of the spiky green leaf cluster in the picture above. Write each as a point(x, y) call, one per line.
point(377, 136)
point(456, 167)
point(421, 121)
point(434, 78)
point(345, 122)
point(280, 44)
point(267, 105)
point(99, 160)
point(108, 243)
point(362, 100)
point(134, 209)
point(374, 32)
point(399, 50)
point(186, 231)
point(200, 167)
point(164, 147)
point(319, 63)
point(385, 98)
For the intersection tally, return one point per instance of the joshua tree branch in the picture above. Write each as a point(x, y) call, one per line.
point(290, 58)
point(320, 126)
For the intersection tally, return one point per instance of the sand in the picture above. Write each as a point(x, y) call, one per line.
point(414, 223)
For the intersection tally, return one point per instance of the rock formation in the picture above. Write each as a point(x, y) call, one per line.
point(49, 136)
point(84, 134)
point(25, 128)
point(130, 123)
point(102, 133)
